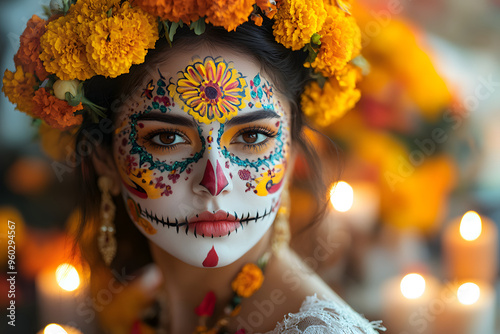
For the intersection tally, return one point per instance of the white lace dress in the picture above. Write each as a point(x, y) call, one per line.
point(322, 316)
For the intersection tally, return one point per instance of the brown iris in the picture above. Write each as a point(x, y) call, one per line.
point(249, 137)
point(167, 138)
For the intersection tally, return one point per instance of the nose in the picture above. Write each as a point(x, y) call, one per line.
point(214, 179)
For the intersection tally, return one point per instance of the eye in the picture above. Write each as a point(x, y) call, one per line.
point(167, 139)
point(254, 136)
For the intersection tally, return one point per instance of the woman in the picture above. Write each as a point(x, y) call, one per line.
point(198, 140)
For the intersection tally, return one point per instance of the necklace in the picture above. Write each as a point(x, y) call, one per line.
point(244, 285)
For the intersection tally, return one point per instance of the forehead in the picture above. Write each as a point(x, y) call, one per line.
point(183, 75)
point(178, 61)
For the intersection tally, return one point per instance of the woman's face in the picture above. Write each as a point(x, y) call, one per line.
point(202, 148)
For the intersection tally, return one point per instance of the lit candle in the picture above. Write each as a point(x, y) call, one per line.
point(60, 295)
point(469, 309)
point(358, 203)
point(59, 329)
point(470, 249)
point(406, 303)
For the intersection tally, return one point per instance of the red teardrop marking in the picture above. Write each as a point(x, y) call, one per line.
point(212, 259)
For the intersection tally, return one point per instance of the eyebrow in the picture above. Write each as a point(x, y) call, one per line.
point(252, 117)
point(167, 118)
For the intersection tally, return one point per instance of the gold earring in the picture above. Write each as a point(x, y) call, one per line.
point(281, 227)
point(106, 240)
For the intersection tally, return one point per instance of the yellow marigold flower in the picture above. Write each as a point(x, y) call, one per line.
point(29, 50)
point(85, 13)
point(248, 281)
point(340, 42)
point(19, 87)
point(56, 113)
point(63, 53)
point(174, 10)
point(297, 20)
point(121, 40)
point(339, 94)
point(229, 14)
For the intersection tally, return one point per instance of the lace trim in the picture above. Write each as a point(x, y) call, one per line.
point(322, 316)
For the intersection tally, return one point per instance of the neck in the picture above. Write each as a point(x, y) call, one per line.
point(185, 286)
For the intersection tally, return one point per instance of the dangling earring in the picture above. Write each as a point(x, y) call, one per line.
point(106, 240)
point(281, 227)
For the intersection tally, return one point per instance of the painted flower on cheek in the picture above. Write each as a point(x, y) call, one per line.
point(130, 163)
point(210, 90)
point(173, 176)
point(168, 191)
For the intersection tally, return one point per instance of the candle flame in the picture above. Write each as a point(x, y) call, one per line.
point(54, 329)
point(468, 293)
point(67, 277)
point(413, 286)
point(470, 226)
point(342, 196)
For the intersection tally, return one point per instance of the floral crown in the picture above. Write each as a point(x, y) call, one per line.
point(84, 38)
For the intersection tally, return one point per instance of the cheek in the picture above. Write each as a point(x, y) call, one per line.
point(138, 179)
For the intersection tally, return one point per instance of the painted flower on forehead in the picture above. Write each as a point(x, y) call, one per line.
point(210, 90)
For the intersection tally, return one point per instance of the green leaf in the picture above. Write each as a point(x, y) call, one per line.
point(173, 29)
point(110, 12)
point(316, 39)
point(200, 26)
point(166, 32)
point(312, 52)
point(66, 5)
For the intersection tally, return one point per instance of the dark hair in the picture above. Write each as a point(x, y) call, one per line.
point(285, 67)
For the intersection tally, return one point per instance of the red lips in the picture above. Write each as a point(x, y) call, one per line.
point(217, 224)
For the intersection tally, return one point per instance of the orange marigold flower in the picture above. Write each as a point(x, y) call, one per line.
point(248, 281)
point(56, 113)
point(267, 7)
point(29, 50)
point(229, 14)
point(19, 87)
point(339, 94)
point(297, 20)
point(340, 42)
point(174, 10)
point(63, 54)
point(121, 40)
point(257, 19)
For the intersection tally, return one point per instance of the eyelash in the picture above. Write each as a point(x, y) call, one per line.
point(258, 129)
point(154, 133)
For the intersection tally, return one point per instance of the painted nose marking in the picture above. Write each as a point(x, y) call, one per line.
point(214, 180)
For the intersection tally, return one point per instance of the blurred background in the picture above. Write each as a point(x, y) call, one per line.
point(421, 150)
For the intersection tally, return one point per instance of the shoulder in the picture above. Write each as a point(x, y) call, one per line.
point(299, 285)
point(326, 316)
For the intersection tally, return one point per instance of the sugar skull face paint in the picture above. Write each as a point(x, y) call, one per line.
point(202, 154)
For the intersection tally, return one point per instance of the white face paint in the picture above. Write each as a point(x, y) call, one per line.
point(202, 149)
